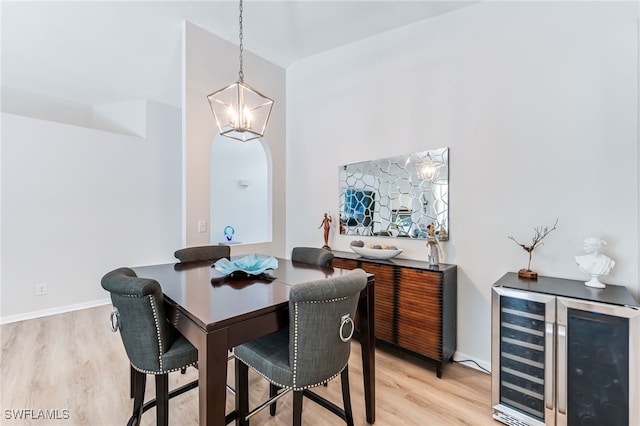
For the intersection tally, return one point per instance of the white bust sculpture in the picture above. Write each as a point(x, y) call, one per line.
point(593, 262)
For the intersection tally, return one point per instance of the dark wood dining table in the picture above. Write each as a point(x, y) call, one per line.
point(216, 312)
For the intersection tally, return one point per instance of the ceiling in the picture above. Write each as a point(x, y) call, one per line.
point(95, 52)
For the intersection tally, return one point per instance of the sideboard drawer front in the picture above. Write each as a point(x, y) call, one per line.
point(420, 296)
point(383, 300)
point(420, 312)
point(344, 263)
point(429, 281)
point(420, 339)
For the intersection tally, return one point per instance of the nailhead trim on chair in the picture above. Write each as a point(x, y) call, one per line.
point(295, 340)
point(290, 387)
point(159, 373)
point(155, 320)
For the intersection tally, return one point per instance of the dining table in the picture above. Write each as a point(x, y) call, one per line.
point(217, 312)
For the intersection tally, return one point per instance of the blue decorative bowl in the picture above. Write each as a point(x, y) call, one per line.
point(251, 264)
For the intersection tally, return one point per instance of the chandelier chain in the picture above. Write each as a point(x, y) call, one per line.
point(241, 72)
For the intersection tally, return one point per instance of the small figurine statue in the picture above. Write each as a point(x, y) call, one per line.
point(433, 247)
point(593, 262)
point(326, 222)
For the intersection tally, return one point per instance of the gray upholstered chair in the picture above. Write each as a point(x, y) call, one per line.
point(314, 349)
point(311, 255)
point(152, 344)
point(201, 253)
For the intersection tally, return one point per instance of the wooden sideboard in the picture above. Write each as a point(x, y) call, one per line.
point(415, 305)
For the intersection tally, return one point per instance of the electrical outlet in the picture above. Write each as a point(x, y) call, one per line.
point(202, 226)
point(41, 289)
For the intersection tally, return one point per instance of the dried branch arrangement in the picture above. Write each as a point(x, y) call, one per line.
point(539, 234)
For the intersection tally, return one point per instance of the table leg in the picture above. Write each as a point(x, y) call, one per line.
point(368, 344)
point(212, 378)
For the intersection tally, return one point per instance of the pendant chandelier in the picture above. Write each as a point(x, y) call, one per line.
point(241, 112)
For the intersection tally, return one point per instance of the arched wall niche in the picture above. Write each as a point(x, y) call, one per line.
point(241, 191)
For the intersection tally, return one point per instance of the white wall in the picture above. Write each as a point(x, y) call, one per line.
point(211, 63)
point(538, 102)
point(78, 202)
point(241, 179)
point(30, 104)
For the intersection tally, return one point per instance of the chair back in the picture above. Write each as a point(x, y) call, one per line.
point(321, 324)
point(210, 253)
point(140, 317)
point(311, 255)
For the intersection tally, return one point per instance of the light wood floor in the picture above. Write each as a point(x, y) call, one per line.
point(74, 362)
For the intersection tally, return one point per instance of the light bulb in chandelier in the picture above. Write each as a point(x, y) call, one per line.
point(240, 120)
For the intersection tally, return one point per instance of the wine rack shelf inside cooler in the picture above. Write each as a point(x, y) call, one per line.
point(522, 328)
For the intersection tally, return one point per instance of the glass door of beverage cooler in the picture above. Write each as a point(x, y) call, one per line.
point(598, 374)
point(523, 326)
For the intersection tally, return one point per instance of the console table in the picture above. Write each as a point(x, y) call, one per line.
point(415, 304)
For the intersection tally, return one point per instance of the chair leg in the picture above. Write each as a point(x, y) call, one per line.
point(297, 408)
point(132, 385)
point(346, 396)
point(138, 383)
point(162, 399)
point(273, 391)
point(242, 392)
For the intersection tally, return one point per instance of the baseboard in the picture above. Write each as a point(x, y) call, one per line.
point(469, 361)
point(54, 311)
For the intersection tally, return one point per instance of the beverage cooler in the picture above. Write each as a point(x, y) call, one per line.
point(564, 353)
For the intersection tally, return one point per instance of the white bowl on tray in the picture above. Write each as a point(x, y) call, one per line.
point(376, 253)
